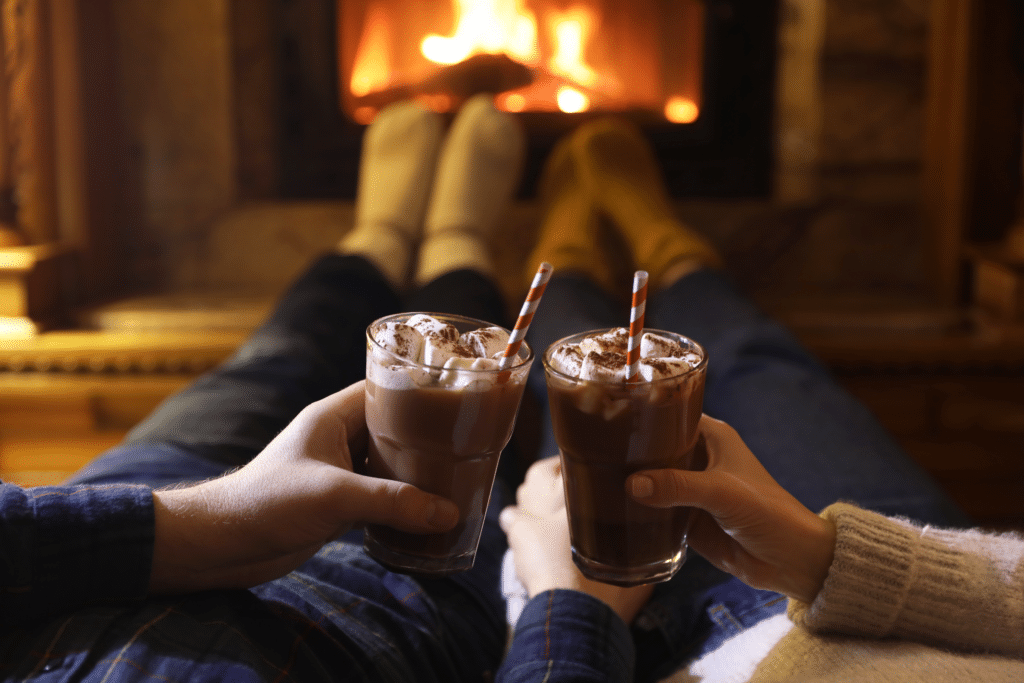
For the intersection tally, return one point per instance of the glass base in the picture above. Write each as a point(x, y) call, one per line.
point(630, 576)
point(405, 563)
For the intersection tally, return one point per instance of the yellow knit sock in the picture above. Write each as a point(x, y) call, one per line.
point(616, 166)
point(568, 238)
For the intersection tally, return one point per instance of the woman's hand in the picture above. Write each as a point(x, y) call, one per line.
point(265, 519)
point(746, 524)
point(538, 533)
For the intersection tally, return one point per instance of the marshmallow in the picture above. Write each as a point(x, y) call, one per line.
point(464, 373)
point(603, 367)
point(437, 350)
point(612, 409)
point(590, 399)
point(486, 342)
point(427, 325)
point(657, 346)
point(567, 360)
point(398, 376)
point(612, 341)
point(653, 369)
point(400, 339)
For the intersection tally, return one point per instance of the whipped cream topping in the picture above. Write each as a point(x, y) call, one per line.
point(455, 360)
point(602, 357)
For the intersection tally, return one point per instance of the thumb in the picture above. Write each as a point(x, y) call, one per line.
point(672, 488)
point(395, 504)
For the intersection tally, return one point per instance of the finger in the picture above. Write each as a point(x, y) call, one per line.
point(672, 488)
point(395, 504)
point(508, 517)
point(706, 537)
point(350, 405)
point(725, 447)
point(544, 469)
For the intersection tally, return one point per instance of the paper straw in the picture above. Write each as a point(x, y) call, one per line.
point(636, 324)
point(515, 340)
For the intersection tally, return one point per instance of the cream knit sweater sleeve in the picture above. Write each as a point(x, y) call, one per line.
point(893, 578)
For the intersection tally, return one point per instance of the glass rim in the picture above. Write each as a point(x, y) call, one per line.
point(520, 359)
point(546, 362)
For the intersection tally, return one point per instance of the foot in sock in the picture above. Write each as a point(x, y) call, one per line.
point(477, 173)
point(396, 171)
point(617, 167)
point(569, 236)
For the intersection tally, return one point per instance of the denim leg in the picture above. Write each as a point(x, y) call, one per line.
point(461, 292)
point(819, 442)
point(312, 345)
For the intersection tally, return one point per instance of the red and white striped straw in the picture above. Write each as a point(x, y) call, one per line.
point(515, 340)
point(636, 324)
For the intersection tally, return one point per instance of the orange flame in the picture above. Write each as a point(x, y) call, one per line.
point(571, 100)
point(372, 69)
point(681, 110)
point(486, 27)
point(398, 53)
point(571, 31)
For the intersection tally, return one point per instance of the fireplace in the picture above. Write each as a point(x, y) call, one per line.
point(697, 75)
point(594, 55)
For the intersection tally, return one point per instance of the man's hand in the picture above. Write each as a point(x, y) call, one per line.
point(538, 533)
point(746, 524)
point(265, 519)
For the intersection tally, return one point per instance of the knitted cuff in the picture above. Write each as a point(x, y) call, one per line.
point(891, 577)
point(868, 582)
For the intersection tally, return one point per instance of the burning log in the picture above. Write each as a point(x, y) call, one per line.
point(482, 73)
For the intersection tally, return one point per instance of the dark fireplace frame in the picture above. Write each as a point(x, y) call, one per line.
point(726, 153)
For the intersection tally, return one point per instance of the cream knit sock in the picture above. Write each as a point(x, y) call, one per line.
point(477, 173)
point(395, 173)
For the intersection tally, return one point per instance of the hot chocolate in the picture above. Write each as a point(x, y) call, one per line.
point(439, 412)
point(607, 428)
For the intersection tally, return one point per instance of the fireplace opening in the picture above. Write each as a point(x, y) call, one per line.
point(539, 56)
point(696, 75)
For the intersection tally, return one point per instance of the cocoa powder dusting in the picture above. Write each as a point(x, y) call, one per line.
point(610, 360)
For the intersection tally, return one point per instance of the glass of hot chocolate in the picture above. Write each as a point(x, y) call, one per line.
point(607, 428)
point(439, 409)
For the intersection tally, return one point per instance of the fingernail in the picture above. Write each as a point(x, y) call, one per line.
point(641, 486)
point(442, 514)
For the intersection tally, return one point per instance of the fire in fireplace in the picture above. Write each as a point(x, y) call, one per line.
point(696, 75)
point(644, 57)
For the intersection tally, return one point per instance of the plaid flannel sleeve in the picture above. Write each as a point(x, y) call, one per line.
point(66, 547)
point(564, 635)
